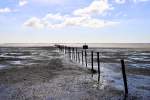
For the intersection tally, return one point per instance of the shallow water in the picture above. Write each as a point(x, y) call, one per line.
point(110, 66)
point(13, 56)
point(137, 63)
point(132, 57)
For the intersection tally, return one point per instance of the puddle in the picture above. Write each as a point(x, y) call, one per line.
point(2, 66)
point(16, 62)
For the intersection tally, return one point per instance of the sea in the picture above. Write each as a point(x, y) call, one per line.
point(134, 54)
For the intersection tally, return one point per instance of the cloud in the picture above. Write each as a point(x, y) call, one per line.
point(58, 2)
point(97, 6)
point(120, 1)
point(5, 10)
point(23, 2)
point(80, 17)
point(86, 22)
point(54, 16)
point(51, 21)
point(133, 1)
point(34, 22)
point(136, 1)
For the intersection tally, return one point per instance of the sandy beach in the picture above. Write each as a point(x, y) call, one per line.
point(50, 75)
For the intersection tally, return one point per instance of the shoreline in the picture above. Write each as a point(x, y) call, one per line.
point(91, 45)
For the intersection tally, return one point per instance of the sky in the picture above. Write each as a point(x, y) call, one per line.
point(74, 21)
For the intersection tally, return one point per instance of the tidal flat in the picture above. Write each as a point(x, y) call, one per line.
point(44, 73)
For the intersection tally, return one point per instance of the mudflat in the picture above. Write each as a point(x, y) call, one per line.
point(46, 74)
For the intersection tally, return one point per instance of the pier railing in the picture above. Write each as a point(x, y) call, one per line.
point(83, 56)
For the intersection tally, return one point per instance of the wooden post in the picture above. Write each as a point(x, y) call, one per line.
point(60, 48)
point(92, 60)
point(65, 48)
point(76, 54)
point(72, 53)
point(82, 57)
point(98, 79)
point(85, 58)
point(98, 63)
point(69, 50)
point(79, 57)
point(124, 77)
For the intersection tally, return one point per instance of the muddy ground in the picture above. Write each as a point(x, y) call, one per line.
point(52, 76)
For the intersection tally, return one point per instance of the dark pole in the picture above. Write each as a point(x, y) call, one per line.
point(85, 58)
point(69, 50)
point(58, 48)
point(61, 48)
point(124, 77)
point(82, 57)
point(98, 63)
point(76, 54)
point(98, 78)
point(92, 60)
point(65, 49)
point(79, 57)
point(71, 53)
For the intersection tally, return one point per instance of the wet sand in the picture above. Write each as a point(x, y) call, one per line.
point(56, 78)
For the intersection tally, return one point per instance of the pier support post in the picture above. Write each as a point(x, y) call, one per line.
point(92, 60)
point(98, 63)
point(82, 57)
point(65, 48)
point(85, 58)
point(124, 77)
point(71, 53)
point(79, 57)
point(73, 56)
point(76, 54)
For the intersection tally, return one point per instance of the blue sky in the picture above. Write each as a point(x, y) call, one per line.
point(102, 21)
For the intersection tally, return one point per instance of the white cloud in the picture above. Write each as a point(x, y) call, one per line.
point(34, 22)
point(5, 10)
point(80, 17)
point(90, 22)
point(136, 1)
point(120, 1)
point(87, 22)
point(97, 6)
point(50, 1)
point(54, 16)
point(64, 21)
point(23, 2)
